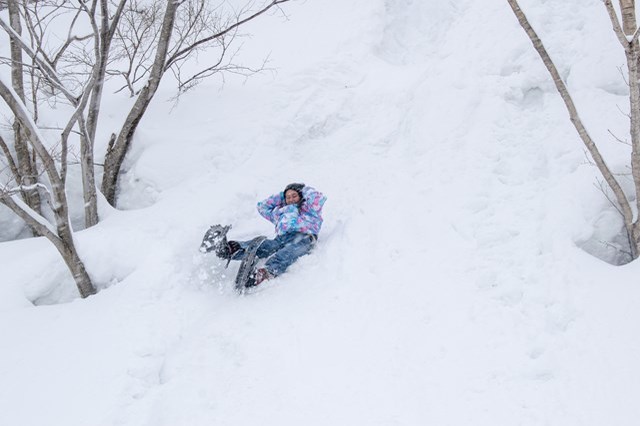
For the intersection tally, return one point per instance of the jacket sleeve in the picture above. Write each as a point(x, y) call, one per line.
point(313, 200)
point(270, 208)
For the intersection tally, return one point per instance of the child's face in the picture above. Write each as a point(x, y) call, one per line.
point(291, 197)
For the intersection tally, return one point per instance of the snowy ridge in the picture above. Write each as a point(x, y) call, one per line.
point(448, 286)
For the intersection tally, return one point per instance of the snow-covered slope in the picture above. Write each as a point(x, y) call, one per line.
point(448, 287)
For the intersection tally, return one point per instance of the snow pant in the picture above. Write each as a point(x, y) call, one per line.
point(282, 251)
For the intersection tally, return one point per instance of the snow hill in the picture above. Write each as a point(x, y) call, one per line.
point(454, 282)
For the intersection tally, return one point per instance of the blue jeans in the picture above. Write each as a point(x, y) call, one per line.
point(282, 251)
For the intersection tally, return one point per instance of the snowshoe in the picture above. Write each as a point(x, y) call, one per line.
point(246, 273)
point(215, 239)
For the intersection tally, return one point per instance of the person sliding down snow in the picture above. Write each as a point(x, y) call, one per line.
point(297, 215)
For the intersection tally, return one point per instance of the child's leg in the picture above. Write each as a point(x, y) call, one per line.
point(283, 258)
point(266, 249)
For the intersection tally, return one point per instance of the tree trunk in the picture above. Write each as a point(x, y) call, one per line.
point(27, 170)
point(632, 52)
point(62, 239)
point(87, 139)
point(70, 255)
point(17, 71)
point(628, 37)
point(117, 151)
point(104, 38)
point(88, 181)
point(573, 112)
point(628, 9)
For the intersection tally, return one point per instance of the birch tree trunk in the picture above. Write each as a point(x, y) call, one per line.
point(104, 36)
point(628, 9)
point(632, 53)
point(26, 167)
point(628, 38)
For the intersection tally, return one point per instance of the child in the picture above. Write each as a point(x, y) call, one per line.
point(297, 215)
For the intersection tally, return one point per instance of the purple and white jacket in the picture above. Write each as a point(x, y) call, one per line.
point(290, 218)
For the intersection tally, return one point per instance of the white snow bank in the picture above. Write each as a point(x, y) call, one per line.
point(448, 285)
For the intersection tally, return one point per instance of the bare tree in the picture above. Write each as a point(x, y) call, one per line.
point(627, 34)
point(60, 234)
point(149, 42)
point(180, 37)
point(79, 63)
point(74, 72)
point(83, 118)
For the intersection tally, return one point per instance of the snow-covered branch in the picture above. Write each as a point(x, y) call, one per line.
point(624, 40)
point(26, 213)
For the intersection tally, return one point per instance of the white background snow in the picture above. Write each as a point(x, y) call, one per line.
point(452, 284)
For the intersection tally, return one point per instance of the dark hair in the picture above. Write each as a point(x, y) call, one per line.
point(296, 187)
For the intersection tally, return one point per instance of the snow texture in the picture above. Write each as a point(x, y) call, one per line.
point(464, 274)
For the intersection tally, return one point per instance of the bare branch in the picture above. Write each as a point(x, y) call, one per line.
point(182, 53)
point(618, 249)
point(50, 73)
point(37, 140)
point(617, 28)
point(622, 141)
point(9, 157)
point(70, 39)
point(634, 38)
point(31, 218)
point(603, 189)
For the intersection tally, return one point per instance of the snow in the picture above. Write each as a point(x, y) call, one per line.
point(454, 281)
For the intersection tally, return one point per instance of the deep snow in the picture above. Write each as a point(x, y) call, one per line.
point(449, 285)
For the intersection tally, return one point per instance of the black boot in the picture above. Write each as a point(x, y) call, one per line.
point(228, 250)
point(232, 248)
